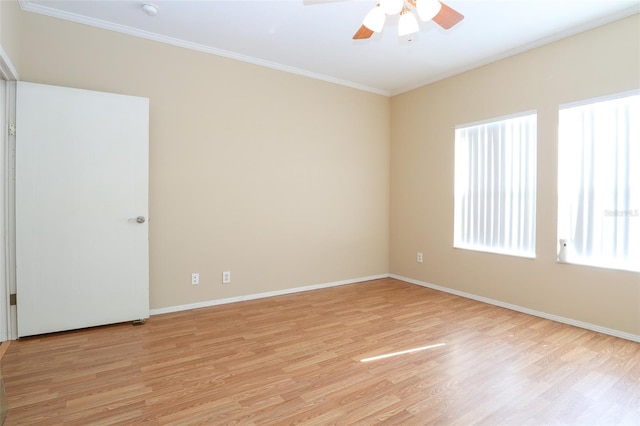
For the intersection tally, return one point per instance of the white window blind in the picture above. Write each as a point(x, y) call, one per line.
point(599, 182)
point(495, 186)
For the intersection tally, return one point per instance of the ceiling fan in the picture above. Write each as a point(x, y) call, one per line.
point(433, 10)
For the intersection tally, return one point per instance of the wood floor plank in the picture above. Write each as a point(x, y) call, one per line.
point(298, 359)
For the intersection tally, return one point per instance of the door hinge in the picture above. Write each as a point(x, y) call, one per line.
point(12, 129)
point(13, 299)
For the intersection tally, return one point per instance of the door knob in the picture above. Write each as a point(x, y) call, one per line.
point(139, 219)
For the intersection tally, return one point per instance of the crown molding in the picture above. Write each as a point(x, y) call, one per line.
point(27, 6)
point(526, 47)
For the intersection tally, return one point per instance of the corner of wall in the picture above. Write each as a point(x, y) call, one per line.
point(10, 39)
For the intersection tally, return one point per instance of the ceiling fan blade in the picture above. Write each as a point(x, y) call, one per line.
point(447, 17)
point(362, 33)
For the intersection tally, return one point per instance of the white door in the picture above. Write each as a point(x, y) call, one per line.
point(81, 182)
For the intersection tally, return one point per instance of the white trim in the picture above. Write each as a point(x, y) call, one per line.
point(215, 302)
point(578, 262)
point(4, 294)
point(27, 6)
point(524, 48)
point(7, 71)
point(552, 317)
point(492, 250)
point(522, 114)
point(9, 219)
point(599, 99)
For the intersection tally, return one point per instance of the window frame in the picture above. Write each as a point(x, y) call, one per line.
point(560, 233)
point(458, 242)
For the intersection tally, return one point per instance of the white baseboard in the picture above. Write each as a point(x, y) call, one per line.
point(216, 302)
point(586, 325)
point(552, 317)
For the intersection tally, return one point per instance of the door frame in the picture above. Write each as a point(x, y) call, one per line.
point(8, 314)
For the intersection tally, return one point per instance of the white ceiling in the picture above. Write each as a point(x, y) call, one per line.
point(313, 39)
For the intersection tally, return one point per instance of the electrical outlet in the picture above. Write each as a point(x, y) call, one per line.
point(419, 257)
point(195, 278)
point(226, 277)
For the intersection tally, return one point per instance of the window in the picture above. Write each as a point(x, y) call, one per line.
point(599, 182)
point(495, 186)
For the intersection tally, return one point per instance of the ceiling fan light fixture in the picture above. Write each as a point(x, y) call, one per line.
point(427, 9)
point(407, 24)
point(375, 19)
point(392, 7)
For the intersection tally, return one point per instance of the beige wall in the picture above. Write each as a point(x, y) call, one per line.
point(599, 62)
point(281, 179)
point(285, 180)
point(10, 30)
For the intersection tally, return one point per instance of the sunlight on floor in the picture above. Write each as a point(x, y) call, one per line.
point(408, 351)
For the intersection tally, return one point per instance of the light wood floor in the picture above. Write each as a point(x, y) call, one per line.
point(296, 359)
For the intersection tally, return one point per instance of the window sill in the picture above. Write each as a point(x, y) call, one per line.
point(503, 253)
point(599, 266)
